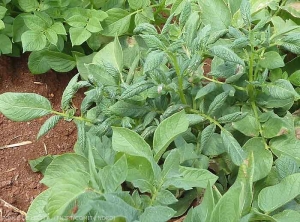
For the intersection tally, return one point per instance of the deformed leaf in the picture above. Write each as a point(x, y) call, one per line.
point(24, 106)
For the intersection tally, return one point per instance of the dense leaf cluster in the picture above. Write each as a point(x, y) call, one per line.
point(158, 132)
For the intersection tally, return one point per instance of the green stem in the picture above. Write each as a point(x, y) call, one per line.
point(72, 117)
point(218, 82)
point(211, 120)
point(254, 108)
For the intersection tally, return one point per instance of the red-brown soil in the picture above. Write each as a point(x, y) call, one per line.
point(18, 184)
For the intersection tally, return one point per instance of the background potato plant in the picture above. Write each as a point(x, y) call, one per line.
point(156, 133)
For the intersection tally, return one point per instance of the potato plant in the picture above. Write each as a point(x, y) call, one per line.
point(157, 134)
point(58, 32)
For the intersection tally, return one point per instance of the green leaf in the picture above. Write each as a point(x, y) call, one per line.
point(245, 12)
point(113, 176)
point(35, 23)
point(202, 211)
point(118, 54)
point(117, 23)
point(51, 36)
point(274, 127)
point(58, 170)
point(137, 4)
point(69, 92)
point(126, 109)
point(228, 209)
point(286, 166)
point(206, 135)
point(129, 142)
point(295, 78)
point(248, 126)
point(153, 42)
point(59, 28)
point(245, 177)
point(94, 25)
point(287, 216)
point(211, 14)
point(38, 63)
point(263, 158)
point(64, 194)
point(3, 10)
point(36, 211)
point(136, 89)
point(232, 117)
point(139, 168)
point(28, 5)
point(157, 214)
point(291, 42)
point(217, 103)
point(24, 106)
point(233, 148)
point(114, 208)
point(58, 61)
point(153, 61)
point(100, 74)
point(185, 13)
point(171, 164)
point(281, 89)
point(163, 135)
point(226, 54)
point(165, 197)
point(33, 41)
point(110, 55)
point(271, 60)
point(48, 125)
point(178, 6)
point(2, 25)
point(289, 147)
point(273, 197)
point(210, 87)
point(79, 35)
point(40, 164)
point(5, 44)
